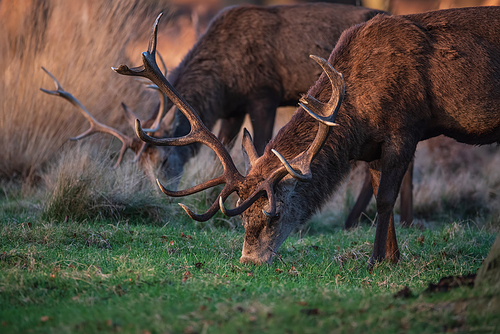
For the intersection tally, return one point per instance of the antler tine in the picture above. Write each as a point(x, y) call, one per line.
point(213, 208)
point(248, 149)
point(211, 211)
point(199, 132)
point(163, 101)
point(267, 188)
point(160, 114)
point(323, 111)
point(95, 126)
point(303, 161)
point(192, 190)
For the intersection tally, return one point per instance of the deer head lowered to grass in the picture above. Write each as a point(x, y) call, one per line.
point(407, 78)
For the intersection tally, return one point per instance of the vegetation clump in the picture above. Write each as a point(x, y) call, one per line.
point(84, 186)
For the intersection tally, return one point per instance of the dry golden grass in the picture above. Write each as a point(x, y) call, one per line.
point(78, 42)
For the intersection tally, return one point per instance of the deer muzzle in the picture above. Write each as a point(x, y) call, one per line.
point(256, 254)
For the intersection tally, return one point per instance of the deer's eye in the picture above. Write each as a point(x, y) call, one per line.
point(275, 218)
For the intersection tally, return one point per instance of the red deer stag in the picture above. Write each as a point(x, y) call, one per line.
point(407, 78)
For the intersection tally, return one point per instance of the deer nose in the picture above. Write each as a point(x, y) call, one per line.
point(256, 260)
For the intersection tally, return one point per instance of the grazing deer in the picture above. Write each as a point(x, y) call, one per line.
point(407, 78)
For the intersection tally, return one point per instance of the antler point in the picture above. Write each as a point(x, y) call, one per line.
point(222, 207)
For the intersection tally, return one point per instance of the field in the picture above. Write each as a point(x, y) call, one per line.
point(110, 254)
point(87, 248)
point(146, 277)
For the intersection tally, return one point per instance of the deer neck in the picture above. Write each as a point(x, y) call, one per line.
point(334, 161)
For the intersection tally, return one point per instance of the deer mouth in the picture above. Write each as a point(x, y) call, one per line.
point(258, 254)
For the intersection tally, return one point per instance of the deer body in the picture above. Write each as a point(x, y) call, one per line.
point(407, 78)
point(252, 60)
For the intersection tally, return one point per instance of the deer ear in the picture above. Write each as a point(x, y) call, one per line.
point(249, 152)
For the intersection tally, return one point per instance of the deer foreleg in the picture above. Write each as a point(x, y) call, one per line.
point(262, 114)
point(386, 183)
point(229, 129)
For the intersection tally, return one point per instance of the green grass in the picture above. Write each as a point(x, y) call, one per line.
point(143, 277)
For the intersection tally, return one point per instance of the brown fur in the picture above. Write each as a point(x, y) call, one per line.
point(407, 78)
point(251, 60)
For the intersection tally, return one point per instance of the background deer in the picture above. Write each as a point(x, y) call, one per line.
point(251, 60)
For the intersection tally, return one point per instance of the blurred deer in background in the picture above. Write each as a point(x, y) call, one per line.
point(251, 60)
point(407, 79)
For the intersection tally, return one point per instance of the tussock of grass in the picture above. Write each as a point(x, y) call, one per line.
point(84, 186)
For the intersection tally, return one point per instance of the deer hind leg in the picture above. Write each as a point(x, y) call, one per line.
point(407, 197)
point(365, 195)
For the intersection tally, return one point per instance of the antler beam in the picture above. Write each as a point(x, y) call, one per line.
point(95, 125)
point(199, 132)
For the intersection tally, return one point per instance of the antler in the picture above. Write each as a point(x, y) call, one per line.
point(161, 113)
point(156, 118)
point(327, 114)
point(199, 132)
point(95, 125)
